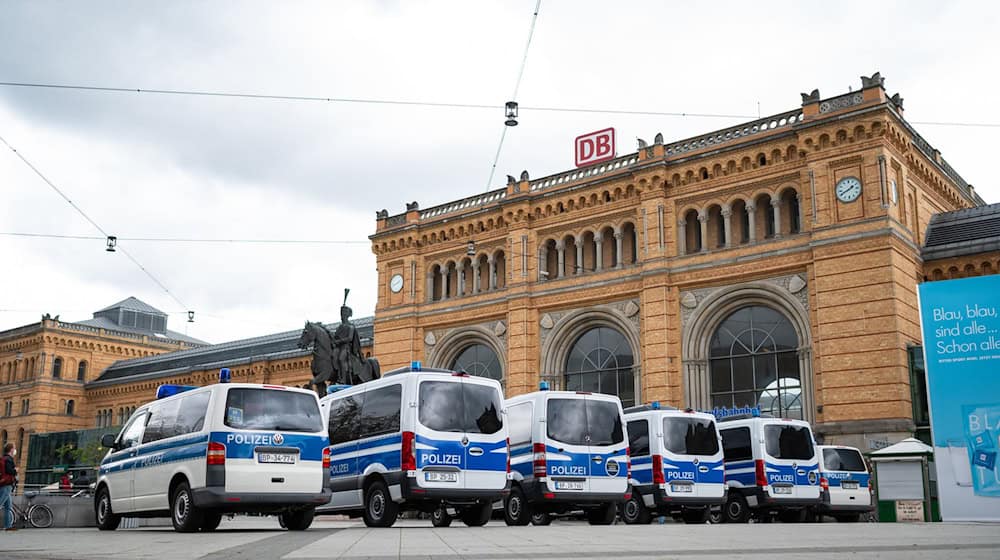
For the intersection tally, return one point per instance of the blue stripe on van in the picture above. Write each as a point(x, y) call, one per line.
point(834, 478)
point(241, 445)
point(156, 453)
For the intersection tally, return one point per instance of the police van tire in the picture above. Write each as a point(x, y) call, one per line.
point(695, 516)
point(603, 515)
point(298, 520)
point(106, 518)
point(477, 515)
point(634, 511)
point(736, 509)
point(185, 517)
point(541, 519)
point(516, 511)
point(380, 510)
point(440, 517)
point(210, 522)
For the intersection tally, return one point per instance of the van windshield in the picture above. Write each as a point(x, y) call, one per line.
point(453, 406)
point(273, 410)
point(690, 436)
point(584, 422)
point(788, 441)
point(843, 460)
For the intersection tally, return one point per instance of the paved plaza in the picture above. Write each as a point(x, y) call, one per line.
point(260, 539)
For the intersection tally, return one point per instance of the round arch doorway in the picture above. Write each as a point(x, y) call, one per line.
point(480, 360)
point(601, 361)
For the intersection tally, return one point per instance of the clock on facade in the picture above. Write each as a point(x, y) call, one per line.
point(396, 283)
point(848, 189)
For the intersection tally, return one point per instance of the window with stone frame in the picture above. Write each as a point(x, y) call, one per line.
point(601, 361)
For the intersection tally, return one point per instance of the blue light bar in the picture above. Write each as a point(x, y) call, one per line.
point(655, 405)
point(543, 386)
point(415, 365)
point(225, 375)
point(164, 391)
point(755, 412)
point(335, 388)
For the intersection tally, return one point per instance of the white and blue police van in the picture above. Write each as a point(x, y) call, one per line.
point(845, 483)
point(677, 464)
point(419, 439)
point(197, 453)
point(569, 452)
point(771, 467)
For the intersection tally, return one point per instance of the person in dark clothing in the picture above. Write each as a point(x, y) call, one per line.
point(8, 478)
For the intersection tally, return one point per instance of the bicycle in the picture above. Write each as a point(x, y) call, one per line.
point(38, 515)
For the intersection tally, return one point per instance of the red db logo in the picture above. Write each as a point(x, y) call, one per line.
point(595, 147)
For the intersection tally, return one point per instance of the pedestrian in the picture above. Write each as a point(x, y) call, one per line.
point(8, 478)
point(65, 483)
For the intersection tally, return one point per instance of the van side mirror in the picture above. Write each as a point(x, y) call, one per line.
point(108, 440)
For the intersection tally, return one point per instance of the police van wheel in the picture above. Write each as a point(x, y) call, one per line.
point(210, 522)
point(715, 515)
point(603, 515)
point(380, 510)
point(541, 519)
point(297, 520)
point(106, 518)
point(440, 517)
point(736, 510)
point(634, 511)
point(477, 515)
point(695, 516)
point(185, 516)
point(516, 510)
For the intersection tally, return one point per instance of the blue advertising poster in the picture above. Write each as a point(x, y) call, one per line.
point(960, 320)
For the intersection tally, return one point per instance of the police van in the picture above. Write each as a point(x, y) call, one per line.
point(195, 454)
point(771, 467)
point(417, 439)
point(677, 464)
point(844, 483)
point(569, 451)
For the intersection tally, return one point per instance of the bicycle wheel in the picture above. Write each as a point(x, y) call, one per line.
point(40, 516)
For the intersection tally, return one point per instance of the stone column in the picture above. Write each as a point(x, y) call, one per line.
point(727, 223)
point(618, 249)
point(561, 263)
point(703, 222)
point(445, 280)
point(475, 277)
point(682, 241)
point(543, 263)
point(430, 286)
point(460, 276)
point(751, 223)
point(579, 256)
point(599, 244)
point(491, 260)
point(776, 209)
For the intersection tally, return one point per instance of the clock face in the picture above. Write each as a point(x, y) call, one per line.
point(848, 189)
point(396, 283)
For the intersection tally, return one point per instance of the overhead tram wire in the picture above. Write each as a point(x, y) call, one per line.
point(188, 239)
point(445, 105)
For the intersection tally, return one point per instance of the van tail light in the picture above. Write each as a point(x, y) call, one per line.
point(408, 453)
point(216, 453)
point(759, 470)
point(824, 484)
point(538, 466)
point(658, 477)
point(326, 458)
point(508, 455)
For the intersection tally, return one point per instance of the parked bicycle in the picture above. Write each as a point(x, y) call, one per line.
point(38, 515)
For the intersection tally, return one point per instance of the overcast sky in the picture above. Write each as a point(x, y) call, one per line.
point(145, 165)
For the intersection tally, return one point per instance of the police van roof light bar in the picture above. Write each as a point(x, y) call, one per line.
point(164, 391)
point(655, 405)
point(225, 375)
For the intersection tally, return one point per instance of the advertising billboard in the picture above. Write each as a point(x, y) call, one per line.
point(961, 331)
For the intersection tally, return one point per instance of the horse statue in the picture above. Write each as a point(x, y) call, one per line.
point(316, 335)
point(337, 356)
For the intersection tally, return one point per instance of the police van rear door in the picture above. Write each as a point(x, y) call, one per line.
point(692, 456)
point(606, 437)
point(486, 453)
point(847, 476)
point(274, 442)
point(567, 443)
point(790, 462)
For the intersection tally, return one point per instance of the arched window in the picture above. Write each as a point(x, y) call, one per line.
point(754, 361)
point(81, 370)
point(70, 406)
point(601, 361)
point(479, 360)
point(57, 368)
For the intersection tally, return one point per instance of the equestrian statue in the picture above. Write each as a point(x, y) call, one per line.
point(337, 356)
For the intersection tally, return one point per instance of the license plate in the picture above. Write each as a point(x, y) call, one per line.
point(782, 489)
point(283, 458)
point(849, 485)
point(441, 476)
point(569, 486)
point(681, 488)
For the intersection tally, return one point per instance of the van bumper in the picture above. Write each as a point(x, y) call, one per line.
point(661, 498)
point(765, 500)
point(538, 493)
point(411, 492)
point(217, 499)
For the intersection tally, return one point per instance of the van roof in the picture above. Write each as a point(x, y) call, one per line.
point(406, 373)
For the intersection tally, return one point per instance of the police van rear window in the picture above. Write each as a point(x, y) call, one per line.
point(453, 406)
point(584, 422)
point(273, 410)
point(690, 436)
point(788, 441)
point(843, 460)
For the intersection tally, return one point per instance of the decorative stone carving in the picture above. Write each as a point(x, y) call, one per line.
point(500, 328)
point(430, 339)
point(795, 284)
point(547, 322)
point(689, 300)
point(631, 308)
point(841, 102)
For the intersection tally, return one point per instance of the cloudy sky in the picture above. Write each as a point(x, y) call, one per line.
point(147, 165)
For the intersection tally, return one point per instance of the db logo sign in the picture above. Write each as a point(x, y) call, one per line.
point(595, 147)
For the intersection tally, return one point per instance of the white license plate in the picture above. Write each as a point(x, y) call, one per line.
point(569, 486)
point(681, 488)
point(441, 476)
point(782, 489)
point(849, 485)
point(283, 458)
